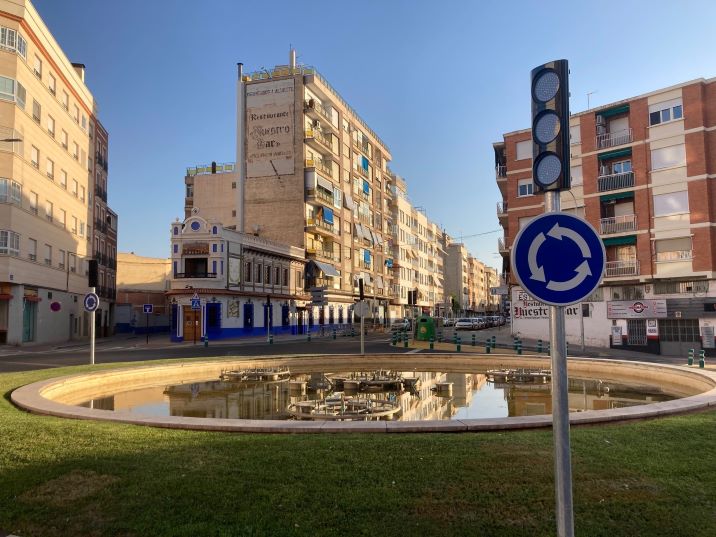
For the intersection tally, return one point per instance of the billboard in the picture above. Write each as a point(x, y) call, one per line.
point(270, 128)
point(636, 309)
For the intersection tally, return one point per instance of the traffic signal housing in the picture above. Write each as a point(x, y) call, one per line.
point(550, 126)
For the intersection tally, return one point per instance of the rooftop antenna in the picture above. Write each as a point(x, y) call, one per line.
point(589, 94)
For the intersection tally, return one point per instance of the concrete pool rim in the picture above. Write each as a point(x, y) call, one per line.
point(39, 397)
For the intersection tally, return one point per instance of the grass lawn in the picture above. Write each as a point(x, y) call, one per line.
point(66, 477)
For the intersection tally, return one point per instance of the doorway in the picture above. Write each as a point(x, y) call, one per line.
point(192, 324)
point(29, 320)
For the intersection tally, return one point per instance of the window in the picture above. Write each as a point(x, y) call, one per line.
point(35, 156)
point(82, 229)
point(268, 275)
point(277, 276)
point(576, 175)
point(575, 135)
point(49, 210)
point(63, 179)
point(664, 112)
point(668, 157)
point(672, 203)
point(33, 202)
point(38, 67)
point(623, 166)
point(82, 193)
point(65, 100)
point(524, 149)
point(52, 84)
point(36, 111)
point(10, 191)
point(61, 254)
point(50, 169)
point(678, 249)
point(524, 187)
point(7, 88)
point(83, 157)
point(72, 262)
point(9, 242)
point(51, 125)
point(75, 151)
point(74, 225)
point(32, 249)
point(76, 114)
point(62, 218)
point(21, 95)
point(48, 254)
point(285, 277)
point(83, 123)
point(259, 273)
point(247, 272)
point(63, 139)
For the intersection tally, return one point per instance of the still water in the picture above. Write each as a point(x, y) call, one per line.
point(392, 395)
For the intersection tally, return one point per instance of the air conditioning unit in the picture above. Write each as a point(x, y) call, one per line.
point(603, 170)
point(601, 129)
point(601, 120)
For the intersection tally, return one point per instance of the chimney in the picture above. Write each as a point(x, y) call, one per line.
point(292, 59)
point(80, 70)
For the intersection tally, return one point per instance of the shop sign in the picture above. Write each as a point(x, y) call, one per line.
point(636, 309)
point(616, 335)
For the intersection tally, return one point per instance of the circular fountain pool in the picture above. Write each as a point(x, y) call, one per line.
point(380, 393)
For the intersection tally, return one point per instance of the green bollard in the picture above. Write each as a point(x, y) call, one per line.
point(473, 340)
point(458, 345)
point(690, 359)
point(514, 344)
point(539, 346)
point(334, 333)
point(405, 340)
point(493, 342)
point(487, 346)
point(519, 347)
point(206, 341)
point(432, 342)
point(702, 359)
point(393, 339)
point(270, 339)
point(454, 337)
point(440, 336)
point(566, 346)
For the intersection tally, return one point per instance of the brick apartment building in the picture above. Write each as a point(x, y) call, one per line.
point(643, 174)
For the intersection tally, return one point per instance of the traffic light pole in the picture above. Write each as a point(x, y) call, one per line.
point(560, 406)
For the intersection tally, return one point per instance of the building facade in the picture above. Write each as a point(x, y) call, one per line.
point(47, 139)
point(642, 174)
point(225, 283)
point(141, 281)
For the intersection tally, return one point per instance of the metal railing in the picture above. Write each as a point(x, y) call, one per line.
point(320, 194)
point(611, 139)
point(320, 164)
point(615, 181)
point(182, 275)
point(676, 255)
point(501, 244)
point(618, 224)
point(501, 171)
point(320, 137)
point(313, 105)
point(324, 254)
point(360, 171)
point(622, 268)
point(320, 224)
point(501, 208)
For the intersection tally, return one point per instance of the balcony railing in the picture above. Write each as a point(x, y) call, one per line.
point(501, 171)
point(622, 268)
point(501, 208)
point(618, 224)
point(320, 224)
point(319, 194)
point(314, 106)
point(318, 136)
point(611, 139)
point(323, 254)
point(319, 164)
point(676, 255)
point(501, 244)
point(183, 275)
point(615, 181)
point(361, 147)
point(360, 171)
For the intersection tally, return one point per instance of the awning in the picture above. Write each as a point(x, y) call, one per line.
point(611, 112)
point(366, 187)
point(615, 154)
point(328, 215)
point(324, 183)
point(616, 196)
point(366, 256)
point(348, 201)
point(364, 163)
point(389, 263)
point(359, 230)
point(620, 241)
point(378, 239)
point(327, 269)
point(366, 278)
point(379, 282)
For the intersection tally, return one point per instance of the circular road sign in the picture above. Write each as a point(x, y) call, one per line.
point(558, 258)
point(91, 302)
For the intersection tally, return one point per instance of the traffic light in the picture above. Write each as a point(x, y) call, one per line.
point(550, 126)
point(361, 294)
point(93, 273)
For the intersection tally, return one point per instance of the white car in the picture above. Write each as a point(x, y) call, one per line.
point(464, 324)
point(449, 321)
point(399, 325)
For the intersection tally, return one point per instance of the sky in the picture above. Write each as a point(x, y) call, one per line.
point(438, 81)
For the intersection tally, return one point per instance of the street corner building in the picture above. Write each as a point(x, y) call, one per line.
point(54, 216)
point(642, 173)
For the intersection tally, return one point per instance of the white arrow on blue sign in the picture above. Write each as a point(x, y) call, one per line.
point(91, 301)
point(558, 258)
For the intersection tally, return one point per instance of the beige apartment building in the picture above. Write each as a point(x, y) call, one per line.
point(418, 256)
point(642, 174)
point(47, 124)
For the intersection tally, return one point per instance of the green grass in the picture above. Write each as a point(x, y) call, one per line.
point(66, 477)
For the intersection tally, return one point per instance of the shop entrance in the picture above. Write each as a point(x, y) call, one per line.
point(192, 324)
point(677, 336)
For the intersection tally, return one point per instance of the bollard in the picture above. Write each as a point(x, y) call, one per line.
point(514, 344)
point(393, 339)
point(440, 336)
point(458, 344)
point(702, 359)
point(519, 347)
point(566, 343)
point(334, 333)
point(270, 339)
point(308, 336)
point(690, 359)
point(206, 341)
point(493, 342)
point(539, 346)
point(432, 342)
point(473, 340)
point(487, 346)
point(454, 337)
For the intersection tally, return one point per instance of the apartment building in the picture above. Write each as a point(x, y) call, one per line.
point(457, 291)
point(47, 139)
point(245, 284)
point(418, 256)
point(642, 174)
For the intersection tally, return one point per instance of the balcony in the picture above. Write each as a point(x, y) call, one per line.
point(184, 275)
point(319, 226)
point(617, 269)
point(501, 246)
point(618, 224)
point(323, 254)
point(316, 110)
point(360, 171)
point(362, 146)
point(676, 255)
point(319, 164)
point(502, 209)
point(615, 181)
point(612, 139)
point(318, 141)
point(319, 194)
point(500, 172)
point(100, 193)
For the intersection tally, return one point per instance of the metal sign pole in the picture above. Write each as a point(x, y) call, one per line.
point(92, 314)
point(560, 406)
point(362, 332)
point(147, 326)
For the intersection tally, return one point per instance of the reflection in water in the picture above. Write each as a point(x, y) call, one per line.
point(412, 395)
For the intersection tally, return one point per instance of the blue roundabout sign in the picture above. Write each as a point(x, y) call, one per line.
point(91, 302)
point(559, 259)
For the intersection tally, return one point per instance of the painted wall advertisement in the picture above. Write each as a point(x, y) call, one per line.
point(269, 127)
point(526, 307)
point(636, 309)
point(234, 271)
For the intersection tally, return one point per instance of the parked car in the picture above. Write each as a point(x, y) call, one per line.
point(464, 323)
point(480, 323)
point(449, 321)
point(399, 325)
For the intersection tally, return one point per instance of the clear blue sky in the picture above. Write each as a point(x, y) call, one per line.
point(438, 81)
